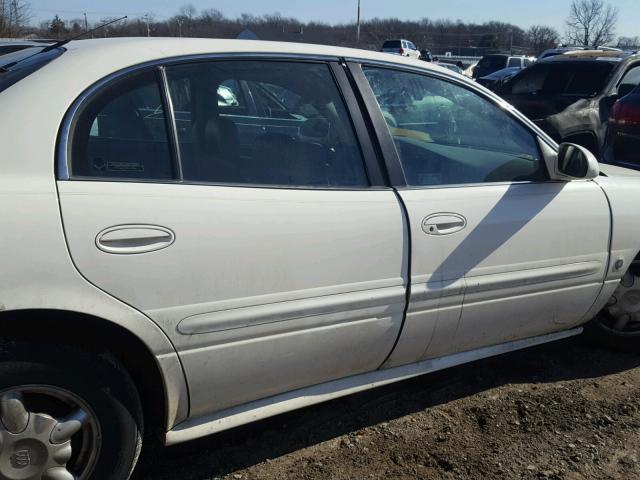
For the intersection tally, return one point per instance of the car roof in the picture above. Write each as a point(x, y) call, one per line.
point(93, 60)
point(113, 54)
point(590, 56)
point(160, 47)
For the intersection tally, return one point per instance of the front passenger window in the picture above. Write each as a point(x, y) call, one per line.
point(446, 134)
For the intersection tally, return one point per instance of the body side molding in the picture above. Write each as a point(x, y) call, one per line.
point(260, 409)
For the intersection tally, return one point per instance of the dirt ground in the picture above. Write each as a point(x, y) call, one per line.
point(560, 411)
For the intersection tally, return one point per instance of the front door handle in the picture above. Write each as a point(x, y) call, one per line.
point(443, 224)
point(132, 239)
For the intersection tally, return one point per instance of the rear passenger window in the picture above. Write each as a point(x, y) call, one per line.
point(122, 133)
point(264, 123)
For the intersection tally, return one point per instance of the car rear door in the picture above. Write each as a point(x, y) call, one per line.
point(273, 264)
point(498, 252)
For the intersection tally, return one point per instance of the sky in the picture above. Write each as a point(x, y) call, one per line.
point(523, 13)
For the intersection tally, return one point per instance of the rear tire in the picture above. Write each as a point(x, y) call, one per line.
point(44, 379)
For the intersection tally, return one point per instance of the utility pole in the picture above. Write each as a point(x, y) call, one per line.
point(510, 31)
point(358, 28)
point(86, 24)
point(146, 19)
point(14, 17)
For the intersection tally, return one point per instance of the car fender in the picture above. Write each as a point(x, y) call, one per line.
point(622, 188)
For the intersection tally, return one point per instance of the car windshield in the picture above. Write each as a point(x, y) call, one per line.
point(493, 61)
point(18, 65)
point(392, 44)
point(583, 79)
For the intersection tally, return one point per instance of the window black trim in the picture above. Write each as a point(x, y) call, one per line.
point(379, 124)
point(375, 172)
point(170, 116)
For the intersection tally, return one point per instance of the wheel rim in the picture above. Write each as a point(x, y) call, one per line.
point(622, 314)
point(46, 433)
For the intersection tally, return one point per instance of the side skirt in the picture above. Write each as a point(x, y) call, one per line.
point(268, 407)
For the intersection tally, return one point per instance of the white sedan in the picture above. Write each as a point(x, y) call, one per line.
point(197, 234)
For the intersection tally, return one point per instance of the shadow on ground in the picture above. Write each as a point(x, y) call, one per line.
point(243, 447)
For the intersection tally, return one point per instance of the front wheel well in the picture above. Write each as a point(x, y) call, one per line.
point(94, 335)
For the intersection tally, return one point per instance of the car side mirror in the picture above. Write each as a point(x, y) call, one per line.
point(569, 162)
point(574, 162)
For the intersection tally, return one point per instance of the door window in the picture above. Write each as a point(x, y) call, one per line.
point(632, 77)
point(514, 62)
point(264, 123)
point(122, 133)
point(446, 134)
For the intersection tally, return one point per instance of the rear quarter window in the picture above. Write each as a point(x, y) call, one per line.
point(123, 132)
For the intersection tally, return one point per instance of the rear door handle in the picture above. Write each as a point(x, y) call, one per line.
point(132, 239)
point(443, 224)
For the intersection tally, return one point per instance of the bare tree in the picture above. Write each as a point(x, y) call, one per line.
point(14, 16)
point(540, 38)
point(439, 36)
point(629, 43)
point(591, 23)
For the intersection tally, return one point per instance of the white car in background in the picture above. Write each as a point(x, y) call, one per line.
point(198, 234)
point(404, 48)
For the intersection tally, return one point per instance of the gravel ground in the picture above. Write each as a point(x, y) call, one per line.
point(560, 411)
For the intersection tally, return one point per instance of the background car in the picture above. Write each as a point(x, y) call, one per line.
point(495, 80)
point(494, 62)
point(622, 146)
point(570, 96)
point(401, 47)
point(426, 56)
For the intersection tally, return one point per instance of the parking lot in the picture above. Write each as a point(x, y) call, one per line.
point(561, 411)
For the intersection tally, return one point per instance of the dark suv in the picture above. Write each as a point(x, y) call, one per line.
point(570, 96)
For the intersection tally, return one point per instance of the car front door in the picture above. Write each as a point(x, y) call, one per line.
point(273, 261)
point(498, 252)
